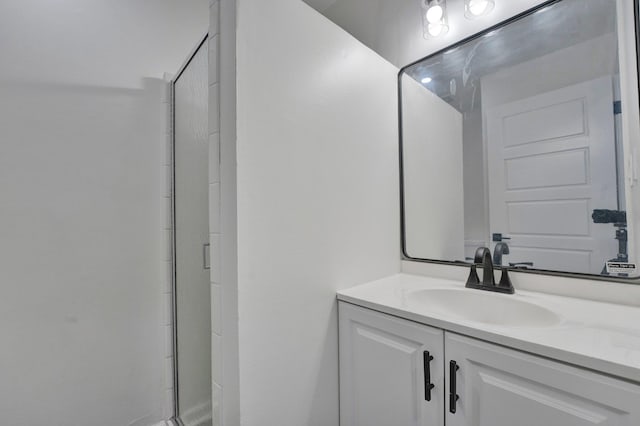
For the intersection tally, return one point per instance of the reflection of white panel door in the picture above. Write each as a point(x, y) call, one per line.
point(551, 161)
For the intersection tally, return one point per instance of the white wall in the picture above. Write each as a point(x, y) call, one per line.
point(525, 80)
point(433, 174)
point(82, 176)
point(475, 218)
point(317, 182)
point(81, 246)
point(108, 43)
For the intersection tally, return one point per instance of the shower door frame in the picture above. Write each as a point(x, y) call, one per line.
point(174, 278)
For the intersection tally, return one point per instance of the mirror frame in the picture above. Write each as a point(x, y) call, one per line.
point(403, 230)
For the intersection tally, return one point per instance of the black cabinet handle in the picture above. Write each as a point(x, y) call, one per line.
point(427, 358)
point(453, 396)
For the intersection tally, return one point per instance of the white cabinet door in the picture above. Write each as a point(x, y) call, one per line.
point(502, 387)
point(383, 379)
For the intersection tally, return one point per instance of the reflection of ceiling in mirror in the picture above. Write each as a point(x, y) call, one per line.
point(321, 5)
point(557, 27)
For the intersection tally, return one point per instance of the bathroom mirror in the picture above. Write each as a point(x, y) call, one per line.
point(523, 139)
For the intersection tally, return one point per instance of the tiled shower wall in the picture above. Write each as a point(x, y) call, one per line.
point(223, 212)
point(167, 260)
point(214, 211)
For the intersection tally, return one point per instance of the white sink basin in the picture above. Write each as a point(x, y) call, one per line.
point(482, 306)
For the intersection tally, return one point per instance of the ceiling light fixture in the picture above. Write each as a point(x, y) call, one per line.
point(476, 8)
point(434, 18)
point(426, 80)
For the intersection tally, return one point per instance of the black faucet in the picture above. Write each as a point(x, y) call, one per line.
point(498, 251)
point(483, 258)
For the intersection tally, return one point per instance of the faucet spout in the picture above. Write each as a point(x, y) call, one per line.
point(483, 257)
point(500, 250)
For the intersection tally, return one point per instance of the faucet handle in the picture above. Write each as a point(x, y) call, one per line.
point(505, 282)
point(473, 279)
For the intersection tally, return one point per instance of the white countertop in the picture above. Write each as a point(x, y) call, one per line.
point(595, 335)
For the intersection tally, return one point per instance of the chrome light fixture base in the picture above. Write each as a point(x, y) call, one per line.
point(434, 18)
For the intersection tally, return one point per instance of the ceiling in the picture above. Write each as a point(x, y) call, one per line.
point(393, 28)
point(564, 24)
point(97, 42)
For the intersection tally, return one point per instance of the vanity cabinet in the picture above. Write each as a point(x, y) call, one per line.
point(386, 372)
point(391, 370)
point(498, 386)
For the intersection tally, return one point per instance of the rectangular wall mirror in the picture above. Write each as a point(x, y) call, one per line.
point(537, 120)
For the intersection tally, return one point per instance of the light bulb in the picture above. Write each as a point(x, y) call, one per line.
point(434, 14)
point(434, 18)
point(437, 29)
point(426, 80)
point(477, 8)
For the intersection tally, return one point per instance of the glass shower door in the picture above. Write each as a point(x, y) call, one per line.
point(191, 220)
